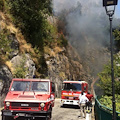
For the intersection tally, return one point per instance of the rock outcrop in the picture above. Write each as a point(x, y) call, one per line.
point(5, 80)
point(64, 65)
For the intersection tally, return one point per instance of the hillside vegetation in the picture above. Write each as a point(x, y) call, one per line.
point(32, 19)
point(33, 44)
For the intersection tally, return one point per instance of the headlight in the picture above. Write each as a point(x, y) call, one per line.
point(7, 104)
point(42, 105)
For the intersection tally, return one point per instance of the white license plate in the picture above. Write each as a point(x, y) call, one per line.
point(70, 98)
point(7, 113)
point(21, 114)
point(34, 108)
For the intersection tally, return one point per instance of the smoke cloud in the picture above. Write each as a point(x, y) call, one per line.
point(87, 27)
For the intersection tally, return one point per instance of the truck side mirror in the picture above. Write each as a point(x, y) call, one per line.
point(84, 87)
point(53, 87)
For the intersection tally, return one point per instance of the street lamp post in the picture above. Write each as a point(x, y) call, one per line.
point(110, 13)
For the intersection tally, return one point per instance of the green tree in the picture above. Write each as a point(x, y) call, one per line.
point(105, 80)
point(116, 34)
point(30, 16)
point(105, 77)
point(107, 101)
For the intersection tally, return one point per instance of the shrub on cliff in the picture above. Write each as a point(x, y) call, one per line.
point(5, 45)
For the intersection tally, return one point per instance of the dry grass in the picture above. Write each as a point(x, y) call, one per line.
point(9, 64)
point(62, 75)
point(24, 47)
point(6, 23)
point(12, 28)
point(2, 24)
point(52, 52)
point(67, 66)
point(49, 51)
point(58, 49)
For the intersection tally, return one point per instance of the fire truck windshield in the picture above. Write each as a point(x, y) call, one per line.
point(72, 86)
point(40, 86)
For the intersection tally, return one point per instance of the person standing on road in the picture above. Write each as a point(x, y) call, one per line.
point(89, 104)
point(82, 101)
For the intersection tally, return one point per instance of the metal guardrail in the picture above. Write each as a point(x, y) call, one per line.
point(104, 113)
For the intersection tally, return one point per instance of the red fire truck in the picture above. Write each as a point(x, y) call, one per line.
point(71, 91)
point(29, 99)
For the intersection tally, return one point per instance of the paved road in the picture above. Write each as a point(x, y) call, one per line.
point(66, 113)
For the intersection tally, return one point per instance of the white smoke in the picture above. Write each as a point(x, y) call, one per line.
point(86, 25)
point(59, 5)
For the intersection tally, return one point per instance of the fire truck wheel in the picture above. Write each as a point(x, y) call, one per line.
point(6, 118)
point(50, 114)
point(48, 118)
point(62, 106)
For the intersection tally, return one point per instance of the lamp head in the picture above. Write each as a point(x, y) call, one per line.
point(109, 2)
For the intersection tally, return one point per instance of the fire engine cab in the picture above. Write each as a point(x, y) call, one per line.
point(29, 99)
point(71, 91)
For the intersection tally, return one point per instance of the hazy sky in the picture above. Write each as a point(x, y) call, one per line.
point(66, 4)
point(117, 12)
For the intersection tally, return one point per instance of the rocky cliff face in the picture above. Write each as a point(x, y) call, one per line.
point(5, 79)
point(62, 62)
point(64, 65)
